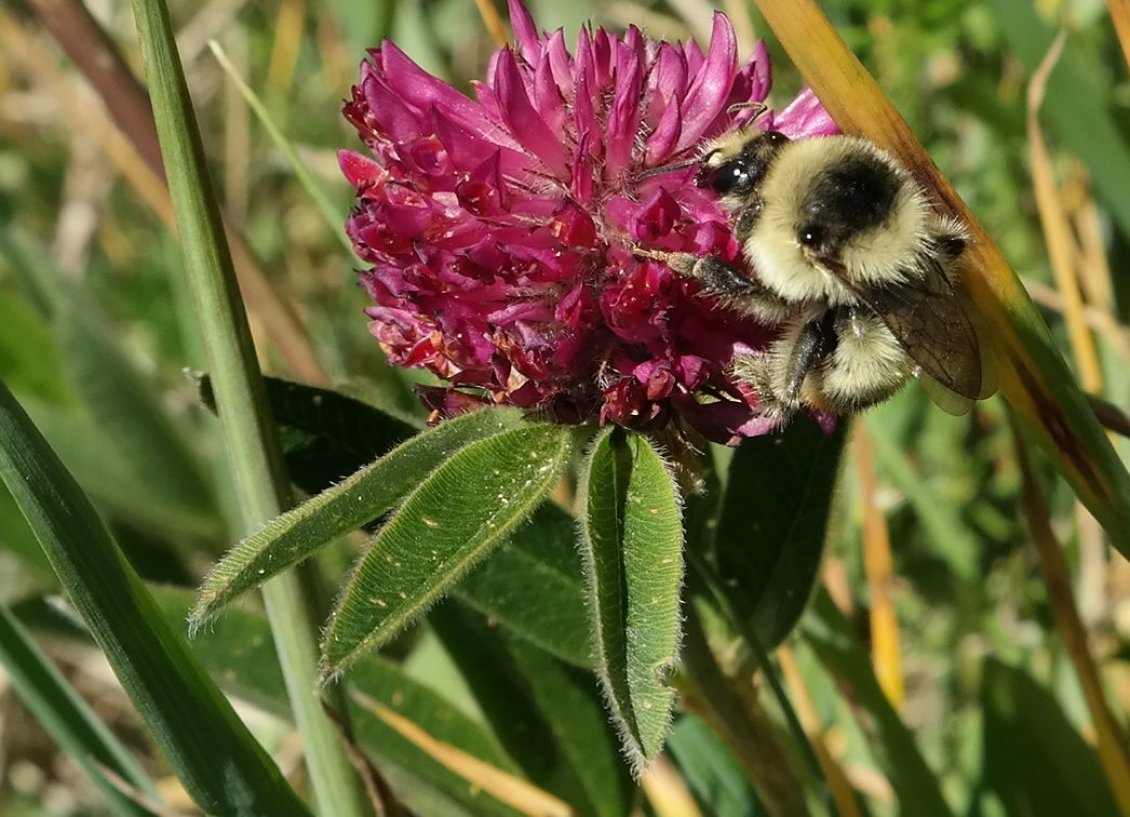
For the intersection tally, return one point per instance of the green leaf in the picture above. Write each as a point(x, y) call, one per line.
point(69, 720)
point(239, 652)
point(770, 536)
point(1056, 773)
point(356, 501)
point(632, 539)
point(185, 712)
point(711, 771)
point(456, 516)
point(326, 435)
point(533, 585)
point(547, 714)
point(830, 636)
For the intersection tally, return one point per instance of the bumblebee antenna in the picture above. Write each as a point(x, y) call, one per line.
point(758, 108)
point(658, 171)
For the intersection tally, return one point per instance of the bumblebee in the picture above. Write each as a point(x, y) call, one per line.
point(852, 263)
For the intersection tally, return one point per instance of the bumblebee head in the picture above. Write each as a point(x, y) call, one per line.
point(734, 164)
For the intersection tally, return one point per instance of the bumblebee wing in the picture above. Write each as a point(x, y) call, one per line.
point(948, 401)
point(929, 322)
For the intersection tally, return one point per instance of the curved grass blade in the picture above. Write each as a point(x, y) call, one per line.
point(770, 536)
point(69, 720)
point(214, 755)
point(1033, 376)
point(360, 499)
point(631, 541)
point(462, 511)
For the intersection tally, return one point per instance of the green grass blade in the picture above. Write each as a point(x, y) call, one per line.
point(1057, 773)
point(67, 718)
point(462, 511)
point(915, 785)
point(631, 541)
point(219, 762)
point(358, 500)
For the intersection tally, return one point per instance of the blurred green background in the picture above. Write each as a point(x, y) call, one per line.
point(93, 345)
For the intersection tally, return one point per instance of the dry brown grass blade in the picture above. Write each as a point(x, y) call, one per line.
point(839, 787)
point(290, 23)
point(1057, 228)
point(71, 24)
point(1032, 375)
point(1117, 335)
point(495, 25)
point(1120, 17)
point(667, 792)
point(885, 643)
point(515, 792)
point(1063, 252)
point(1112, 746)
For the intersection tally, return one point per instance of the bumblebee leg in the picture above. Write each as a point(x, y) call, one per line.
point(796, 359)
point(779, 375)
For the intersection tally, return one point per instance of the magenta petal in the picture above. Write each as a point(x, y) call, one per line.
point(624, 121)
point(412, 82)
point(525, 32)
point(547, 96)
point(707, 95)
point(805, 117)
point(663, 139)
point(360, 171)
point(524, 122)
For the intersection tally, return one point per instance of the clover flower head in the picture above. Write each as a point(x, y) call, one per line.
point(502, 229)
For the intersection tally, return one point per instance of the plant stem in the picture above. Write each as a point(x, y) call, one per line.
point(248, 430)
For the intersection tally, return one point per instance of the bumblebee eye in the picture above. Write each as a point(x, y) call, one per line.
point(728, 178)
point(775, 137)
point(810, 235)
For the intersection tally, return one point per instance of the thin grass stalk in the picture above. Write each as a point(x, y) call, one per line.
point(885, 641)
point(746, 732)
point(1032, 375)
point(327, 208)
point(838, 785)
point(1109, 737)
point(248, 428)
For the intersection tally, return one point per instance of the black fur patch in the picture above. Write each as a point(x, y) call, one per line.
point(845, 199)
